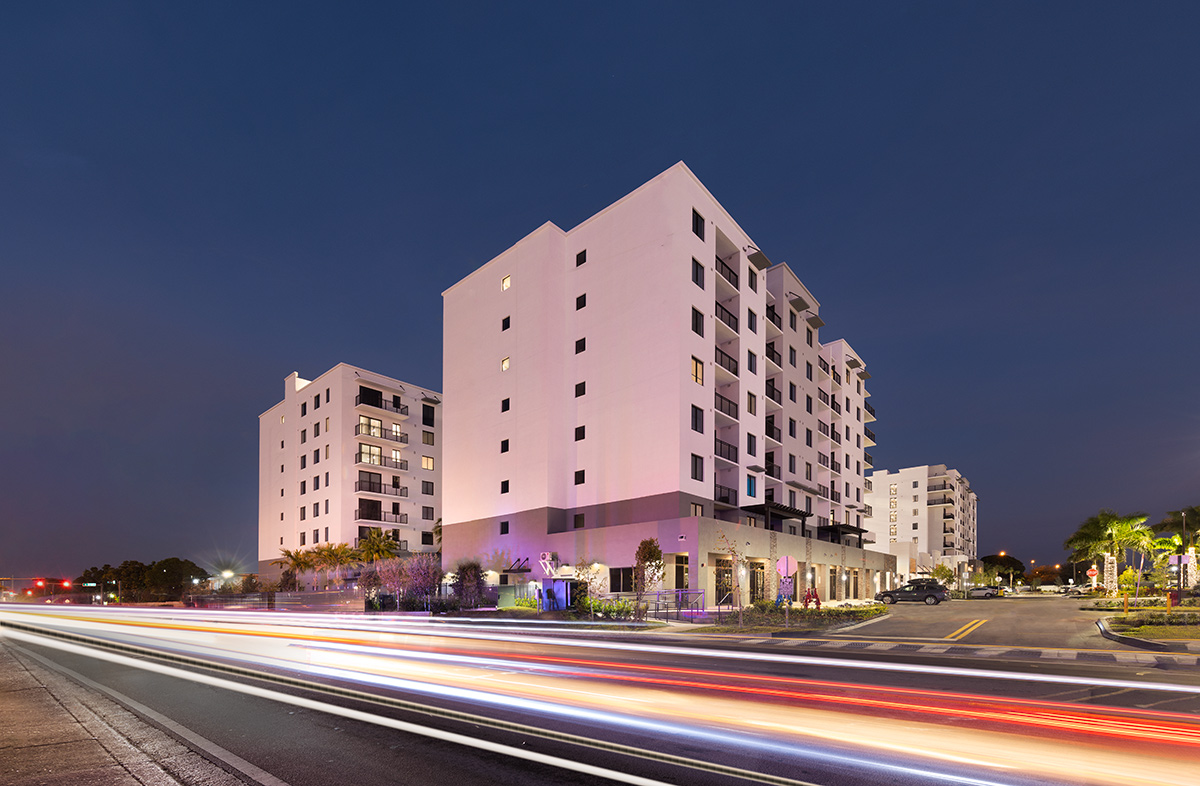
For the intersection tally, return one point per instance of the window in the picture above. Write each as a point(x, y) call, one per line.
point(326, 395)
point(317, 456)
point(620, 579)
point(792, 320)
point(427, 415)
point(427, 437)
point(505, 283)
point(505, 324)
point(792, 467)
point(303, 512)
point(504, 405)
point(697, 509)
point(580, 345)
point(697, 322)
point(426, 462)
point(581, 302)
point(858, 467)
point(858, 414)
point(316, 429)
point(808, 404)
point(503, 527)
point(303, 436)
point(807, 471)
point(751, 404)
point(317, 401)
point(580, 258)
point(808, 371)
point(504, 446)
point(302, 537)
point(303, 408)
point(327, 501)
point(914, 526)
point(697, 228)
point(697, 419)
point(303, 460)
point(504, 487)
point(792, 392)
point(809, 336)
point(427, 536)
point(808, 504)
point(752, 362)
point(580, 389)
point(808, 437)
point(303, 486)
point(792, 356)
point(578, 521)
point(697, 273)
point(697, 371)
point(751, 486)
point(504, 364)
point(752, 321)
point(892, 529)
point(893, 489)
point(426, 486)
point(327, 424)
point(697, 467)
point(317, 483)
point(751, 445)
point(316, 512)
point(792, 504)
point(753, 280)
point(578, 477)
point(914, 497)
point(792, 427)
point(916, 483)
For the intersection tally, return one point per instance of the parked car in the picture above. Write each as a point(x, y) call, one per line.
point(928, 592)
point(984, 592)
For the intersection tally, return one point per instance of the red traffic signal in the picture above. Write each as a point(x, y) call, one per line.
point(39, 583)
point(66, 582)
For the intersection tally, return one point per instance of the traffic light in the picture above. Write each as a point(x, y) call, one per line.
point(66, 583)
point(39, 582)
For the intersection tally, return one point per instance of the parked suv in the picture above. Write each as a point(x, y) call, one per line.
point(928, 592)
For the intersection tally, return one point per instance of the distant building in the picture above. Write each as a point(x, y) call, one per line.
point(923, 515)
point(649, 373)
point(346, 452)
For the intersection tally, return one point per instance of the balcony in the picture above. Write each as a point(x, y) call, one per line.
point(823, 428)
point(835, 406)
point(728, 317)
point(823, 460)
point(835, 466)
point(391, 518)
point(947, 515)
point(725, 495)
point(775, 471)
point(823, 364)
point(381, 403)
point(775, 433)
point(835, 496)
point(726, 406)
point(870, 411)
point(774, 356)
point(947, 529)
point(868, 486)
point(823, 397)
point(378, 432)
point(940, 501)
point(725, 450)
point(836, 436)
point(867, 510)
point(837, 378)
point(774, 318)
point(375, 487)
point(822, 521)
point(381, 461)
point(775, 394)
point(727, 273)
point(823, 492)
point(869, 435)
point(727, 362)
point(868, 459)
point(941, 487)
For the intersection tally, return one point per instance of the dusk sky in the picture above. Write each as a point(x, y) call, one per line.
point(998, 205)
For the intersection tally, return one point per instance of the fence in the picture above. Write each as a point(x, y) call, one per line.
point(680, 604)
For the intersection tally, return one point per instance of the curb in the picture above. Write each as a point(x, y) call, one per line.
point(1129, 641)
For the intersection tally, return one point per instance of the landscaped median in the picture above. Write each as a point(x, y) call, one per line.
point(1177, 625)
point(765, 619)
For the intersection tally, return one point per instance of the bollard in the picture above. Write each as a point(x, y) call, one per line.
point(1126, 602)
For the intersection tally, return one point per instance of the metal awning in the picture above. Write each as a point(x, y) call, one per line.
point(779, 509)
point(798, 302)
point(852, 362)
point(815, 321)
point(757, 258)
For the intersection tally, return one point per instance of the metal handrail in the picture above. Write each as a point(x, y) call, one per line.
point(383, 461)
point(378, 432)
point(373, 487)
point(727, 406)
point(727, 316)
point(725, 450)
point(724, 494)
point(392, 518)
point(383, 404)
point(727, 361)
point(726, 271)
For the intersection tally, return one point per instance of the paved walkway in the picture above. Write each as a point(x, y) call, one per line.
point(55, 732)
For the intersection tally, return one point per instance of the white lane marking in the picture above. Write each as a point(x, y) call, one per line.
point(864, 622)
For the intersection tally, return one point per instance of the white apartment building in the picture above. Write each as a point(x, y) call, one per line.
point(343, 453)
point(923, 515)
point(650, 373)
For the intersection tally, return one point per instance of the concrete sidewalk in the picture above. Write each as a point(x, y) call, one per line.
point(54, 731)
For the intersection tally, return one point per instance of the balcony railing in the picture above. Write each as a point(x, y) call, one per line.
point(837, 377)
point(868, 486)
point(776, 320)
point(382, 404)
point(941, 487)
point(836, 466)
point(727, 272)
point(823, 397)
point(941, 501)
point(823, 460)
point(822, 521)
point(947, 514)
point(869, 408)
point(835, 406)
point(727, 316)
point(867, 510)
point(726, 406)
point(823, 364)
point(378, 432)
point(823, 492)
point(835, 496)
point(775, 433)
point(727, 361)
point(868, 459)
point(374, 487)
point(774, 356)
point(823, 428)
point(836, 436)
point(775, 471)
point(370, 515)
point(725, 450)
point(775, 394)
point(381, 461)
point(725, 495)
point(869, 434)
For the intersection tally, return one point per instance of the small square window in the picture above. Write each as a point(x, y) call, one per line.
point(504, 446)
point(578, 521)
point(505, 283)
point(580, 432)
point(580, 258)
point(580, 389)
point(697, 273)
point(504, 487)
point(505, 324)
point(697, 225)
point(504, 405)
point(504, 364)
point(697, 509)
point(426, 462)
point(581, 302)
point(503, 527)
point(427, 536)
point(580, 345)
point(578, 477)
point(427, 437)
point(426, 486)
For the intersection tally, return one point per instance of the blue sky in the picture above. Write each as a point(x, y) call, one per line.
point(995, 203)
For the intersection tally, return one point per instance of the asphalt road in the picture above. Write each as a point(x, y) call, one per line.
point(790, 715)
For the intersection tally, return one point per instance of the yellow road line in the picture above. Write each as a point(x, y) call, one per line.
point(963, 633)
point(960, 630)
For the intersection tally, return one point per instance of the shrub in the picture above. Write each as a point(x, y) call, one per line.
point(606, 608)
point(1162, 618)
point(526, 603)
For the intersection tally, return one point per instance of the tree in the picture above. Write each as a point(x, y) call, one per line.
point(421, 574)
point(469, 583)
point(391, 575)
point(735, 556)
point(297, 563)
point(1184, 522)
point(1106, 536)
point(647, 572)
point(170, 577)
point(944, 574)
point(593, 577)
point(376, 547)
point(1004, 565)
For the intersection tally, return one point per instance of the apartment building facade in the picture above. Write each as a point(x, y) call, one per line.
point(346, 452)
point(924, 515)
point(651, 373)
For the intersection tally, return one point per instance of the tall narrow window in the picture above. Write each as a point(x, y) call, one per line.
point(580, 433)
point(697, 419)
point(752, 321)
point(792, 319)
point(697, 225)
point(581, 301)
point(752, 279)
point(504, 446)
point(697, 467)
point(505, 283)
point(751, 486)
point(751, 445)
point(504, 405)
point(751, 404)
point(808, 371)
point(752, 362)
point(580, 389)
point(697, 371)
point(697, 273)
point(580, 345)
point(505, 324)
point(427, 415)
point(504, 487)
point(809, 336)
point(580, 258)
point(792, 356)
point(504, 364)
point(697, 322)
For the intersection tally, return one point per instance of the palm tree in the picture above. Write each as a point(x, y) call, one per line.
point(375, 547)
point(322, 560)
point(1184, 522)
point(297, 561)
point(1107, 535)
point(340, 555)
